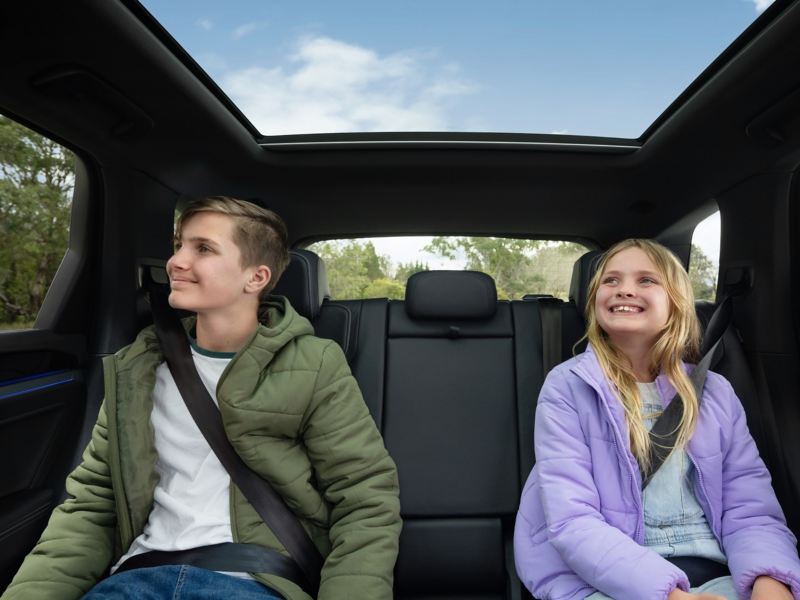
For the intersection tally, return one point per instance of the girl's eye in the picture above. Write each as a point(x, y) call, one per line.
point(177, 246)
point(648, 280)
point(610, 280)
point(203, 249)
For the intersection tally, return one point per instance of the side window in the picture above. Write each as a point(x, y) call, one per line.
point(380, 267)
point(704, 259)
point(36, 183)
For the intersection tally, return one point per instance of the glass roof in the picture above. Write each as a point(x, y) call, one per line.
point(588, 67)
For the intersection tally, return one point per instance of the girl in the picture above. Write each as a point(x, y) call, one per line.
point(585, 529)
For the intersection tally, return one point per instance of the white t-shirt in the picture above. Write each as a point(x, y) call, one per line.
point(191, 503)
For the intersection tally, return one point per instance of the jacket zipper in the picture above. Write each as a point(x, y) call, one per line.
point(637, 494)
point(115, 466)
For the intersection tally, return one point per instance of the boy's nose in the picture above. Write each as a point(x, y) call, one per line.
point(176, 261)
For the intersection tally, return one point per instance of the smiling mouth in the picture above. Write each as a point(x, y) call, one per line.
point(626, 309)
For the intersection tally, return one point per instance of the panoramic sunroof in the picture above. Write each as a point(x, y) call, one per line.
point(590, 67)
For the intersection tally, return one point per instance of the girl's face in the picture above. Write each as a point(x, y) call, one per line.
point(631, 303)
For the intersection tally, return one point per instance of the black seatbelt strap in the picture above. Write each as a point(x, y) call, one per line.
point(234, 558)
point(550, 316)
point(664, 432)
point(264, 499)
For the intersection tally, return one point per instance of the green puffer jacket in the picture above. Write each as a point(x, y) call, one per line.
point(295, 415)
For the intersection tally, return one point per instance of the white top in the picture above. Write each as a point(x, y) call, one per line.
point(191, 502)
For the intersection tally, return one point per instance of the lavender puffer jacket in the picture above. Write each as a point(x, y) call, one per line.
point(580, 525)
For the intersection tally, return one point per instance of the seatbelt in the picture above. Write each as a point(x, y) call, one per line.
point(265, 500)
point(664, 432)
point(550, 317)
point(230, 557)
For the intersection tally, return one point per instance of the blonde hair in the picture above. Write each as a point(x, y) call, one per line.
point(259, 233)
point(679, 340)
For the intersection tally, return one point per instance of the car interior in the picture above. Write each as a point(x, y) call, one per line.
point(451, 374)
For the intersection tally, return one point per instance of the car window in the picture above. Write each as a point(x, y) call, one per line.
point(380, 267)
point(37, 178)
point(704, 259)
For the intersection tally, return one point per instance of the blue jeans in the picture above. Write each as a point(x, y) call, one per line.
point(178, 582)
point(721, 586)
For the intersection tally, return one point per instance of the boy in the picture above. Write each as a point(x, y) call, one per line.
point(149, 480)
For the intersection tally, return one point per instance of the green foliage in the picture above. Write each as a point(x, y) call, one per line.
point(384, 288)
point(406, 270)
point(703, 275)
point(518, 266)
point(507, 260)
point(351, 266)
point(36, 179)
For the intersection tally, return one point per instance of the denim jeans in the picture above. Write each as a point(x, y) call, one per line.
point(178, 582)
point(721, 586)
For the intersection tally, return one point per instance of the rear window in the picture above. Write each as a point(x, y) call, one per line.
point(379, 267)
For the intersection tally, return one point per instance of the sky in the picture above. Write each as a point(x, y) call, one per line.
point(582, 67)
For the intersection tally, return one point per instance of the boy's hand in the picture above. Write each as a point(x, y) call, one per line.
point(678, 594)
point(767, 588)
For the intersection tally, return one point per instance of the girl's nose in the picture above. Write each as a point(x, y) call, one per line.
point(624, 291)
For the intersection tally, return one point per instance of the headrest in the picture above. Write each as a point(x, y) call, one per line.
point(304, 283)
point(582, 274)
point(450, 295)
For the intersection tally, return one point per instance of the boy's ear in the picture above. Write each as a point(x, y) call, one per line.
point(261, 276)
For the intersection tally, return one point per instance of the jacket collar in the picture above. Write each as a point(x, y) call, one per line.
point(588, 368)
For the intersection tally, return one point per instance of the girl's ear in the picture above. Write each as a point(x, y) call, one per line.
point(259, 279)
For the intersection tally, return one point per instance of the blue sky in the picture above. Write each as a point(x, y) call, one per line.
point(585, 67)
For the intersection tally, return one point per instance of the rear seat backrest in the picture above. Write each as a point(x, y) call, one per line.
point(451, 426)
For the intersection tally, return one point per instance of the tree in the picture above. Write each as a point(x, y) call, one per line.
point(384, 288)
point(406, 270)
point(36, 181)
point(518, 266)
point(553, 264)
point(351, 266)
point(506, 260)
point(702, 274)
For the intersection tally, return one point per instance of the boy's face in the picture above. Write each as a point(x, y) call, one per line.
point(205, 273)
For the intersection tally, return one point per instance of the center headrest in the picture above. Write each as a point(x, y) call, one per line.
point(582, 274)
point(451, 295)
point(304, 283)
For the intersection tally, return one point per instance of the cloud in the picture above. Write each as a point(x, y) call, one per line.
point(761, 5)
point(246, 29)
point(331, 86)
point(205, 24)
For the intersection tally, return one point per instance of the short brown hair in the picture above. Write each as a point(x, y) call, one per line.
point(259, 233)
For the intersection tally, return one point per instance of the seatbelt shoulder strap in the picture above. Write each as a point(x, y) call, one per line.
point(265, 500)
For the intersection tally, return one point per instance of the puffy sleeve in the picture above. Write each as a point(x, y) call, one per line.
point(359, 479)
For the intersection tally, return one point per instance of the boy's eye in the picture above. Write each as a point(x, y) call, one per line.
point(177, 246)
point(202, 249)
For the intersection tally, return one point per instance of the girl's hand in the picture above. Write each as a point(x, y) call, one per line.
point(678, 594)
point(767, 588)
